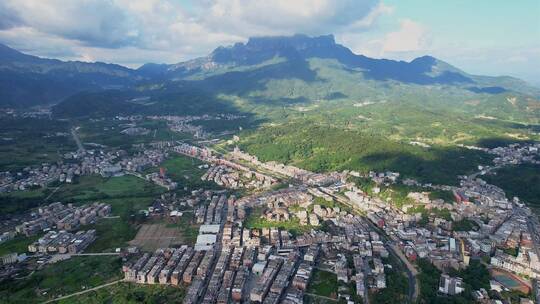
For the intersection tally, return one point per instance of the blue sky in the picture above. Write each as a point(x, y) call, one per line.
point(483, 37)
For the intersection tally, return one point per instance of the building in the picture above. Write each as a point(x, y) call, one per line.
point(450, 285)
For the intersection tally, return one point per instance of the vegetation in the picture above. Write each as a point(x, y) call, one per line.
point(446, 196)
point(127, 293)
point(320, 147)
point(184, 170)
point(28, 141)
point(19, 244)
point(111, 233)
point(511, 251)
point(323, 283)
point(122, 192)
point(520, 180)
point(474, 277)
point(62, 278)
point(397, 285)
point(107, 132)
point(293, 225)
point(464, 225)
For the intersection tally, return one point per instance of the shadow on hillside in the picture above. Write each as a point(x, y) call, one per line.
point(244, 82)
point(440, 166)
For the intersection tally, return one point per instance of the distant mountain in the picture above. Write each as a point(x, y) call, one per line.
point(27, 80)
point(266, 70)
point(262, 51)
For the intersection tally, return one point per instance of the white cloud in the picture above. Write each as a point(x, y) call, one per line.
point(163, 30)
point(410, 37)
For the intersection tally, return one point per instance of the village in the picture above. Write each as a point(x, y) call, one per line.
point(289, 225)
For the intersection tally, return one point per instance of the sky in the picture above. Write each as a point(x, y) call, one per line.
point(487, 37)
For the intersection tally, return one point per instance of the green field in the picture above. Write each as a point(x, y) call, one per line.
point(95, 187)
point(184, 170)
point(126, 293)
point(111, 234)
point(125, 192)
point(63, 278)
point(323, 283)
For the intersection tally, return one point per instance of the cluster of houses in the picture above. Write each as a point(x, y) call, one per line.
point(305, 176)
point(182, 124)
point(63, 242)
point(233, 177)
point(87, 162)
point(63, 217)
point(493, 220)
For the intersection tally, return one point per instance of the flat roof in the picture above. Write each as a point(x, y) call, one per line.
point(206, 239)
point(209, 229)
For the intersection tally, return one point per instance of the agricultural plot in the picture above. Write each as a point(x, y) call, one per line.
point(153, 236)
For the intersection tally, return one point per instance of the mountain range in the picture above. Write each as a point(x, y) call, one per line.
point(264, 71)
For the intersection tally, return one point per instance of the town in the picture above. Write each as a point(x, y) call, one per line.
point(273, 229)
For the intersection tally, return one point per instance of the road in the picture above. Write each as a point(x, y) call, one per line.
point(394, 250)
point(83, 292)
point(321, 297)
point(412, 273)
point(77, 139)
point(52, 193)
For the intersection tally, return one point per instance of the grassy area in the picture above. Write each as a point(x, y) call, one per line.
point(111, 234)
point(66, 277)
point(323, 283)
point(95, 187)
point(397, 285)
point(123, 193)
point(127, 293)
point(19, 244)
point(184, 170)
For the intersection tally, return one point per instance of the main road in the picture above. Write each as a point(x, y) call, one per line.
point(77, 139)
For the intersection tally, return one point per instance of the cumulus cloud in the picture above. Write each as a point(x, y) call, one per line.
point(134, 32)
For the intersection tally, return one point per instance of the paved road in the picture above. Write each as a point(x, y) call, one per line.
point(322, 297)
point(83, 292)
point(96, 254)
point(77, 139)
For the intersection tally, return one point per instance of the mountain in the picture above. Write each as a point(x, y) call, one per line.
point(27, 80)
point(262, 51)
point(267, 73)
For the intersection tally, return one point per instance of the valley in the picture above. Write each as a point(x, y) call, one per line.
point(280, 170)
